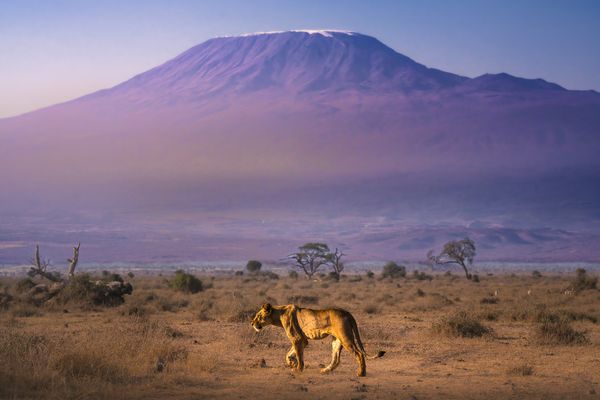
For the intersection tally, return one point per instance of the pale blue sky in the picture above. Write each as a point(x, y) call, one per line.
point(56, 50)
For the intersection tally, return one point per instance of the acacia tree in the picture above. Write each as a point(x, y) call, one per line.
point(310, 257)
point(335, 260)
point(461, 252)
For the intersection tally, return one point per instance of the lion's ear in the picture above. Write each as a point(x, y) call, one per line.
point(267, 307)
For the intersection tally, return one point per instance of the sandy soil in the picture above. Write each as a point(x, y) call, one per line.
point(222, 357)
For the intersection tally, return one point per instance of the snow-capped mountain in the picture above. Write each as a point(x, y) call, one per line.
point(274, 120)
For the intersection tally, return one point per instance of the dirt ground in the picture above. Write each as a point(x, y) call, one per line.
point(162, 344)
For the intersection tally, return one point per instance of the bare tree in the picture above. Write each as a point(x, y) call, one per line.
point(310, 257)
point(73, 261)
point(335, 260)
point(108, 292)
point(461, 252)
point(40, 265)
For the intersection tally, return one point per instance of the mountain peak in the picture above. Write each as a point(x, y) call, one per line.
point(322, 32)
point(291, 62)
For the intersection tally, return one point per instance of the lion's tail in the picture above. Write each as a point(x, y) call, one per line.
point(358, 343)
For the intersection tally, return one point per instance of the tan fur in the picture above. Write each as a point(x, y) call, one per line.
point(302, 324)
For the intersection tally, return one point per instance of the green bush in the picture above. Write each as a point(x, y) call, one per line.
point(111, 277)
point(270, 275)
point(82, 289)
point(421, 276)
point(393, 270)
point(536, 274)
point(293, 275)
point(253, 266)
point(185, 282)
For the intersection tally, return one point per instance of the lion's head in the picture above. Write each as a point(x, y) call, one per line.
point(263, 317)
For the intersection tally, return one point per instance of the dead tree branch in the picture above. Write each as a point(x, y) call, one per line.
point(73, 261)
point(39, 266)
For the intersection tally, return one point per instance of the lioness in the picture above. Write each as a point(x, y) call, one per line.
point(301, 324)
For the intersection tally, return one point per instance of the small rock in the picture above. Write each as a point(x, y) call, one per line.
point(263, 363)
point(362, 388)
point(160, 365)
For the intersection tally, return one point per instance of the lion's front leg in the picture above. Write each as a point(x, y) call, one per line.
point(299, 350)
point(290, 358)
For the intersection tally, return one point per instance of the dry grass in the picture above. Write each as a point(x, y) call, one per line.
point(521, 370)
point(163, 343)
point(559, 332)
point(461, 324)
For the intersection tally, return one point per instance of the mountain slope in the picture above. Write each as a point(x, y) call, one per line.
point(284, 117)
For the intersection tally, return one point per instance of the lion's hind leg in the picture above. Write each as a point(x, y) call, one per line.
point(336, 349)
point(352, 348)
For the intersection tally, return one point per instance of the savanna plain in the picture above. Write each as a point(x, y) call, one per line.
point(534, 336)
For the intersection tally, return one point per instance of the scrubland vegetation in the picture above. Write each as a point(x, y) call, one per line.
point(188, 335)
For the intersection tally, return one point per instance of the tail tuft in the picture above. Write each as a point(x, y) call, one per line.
point(380, 353)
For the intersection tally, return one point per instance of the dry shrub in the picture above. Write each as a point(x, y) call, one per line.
point(24, 285)
point(540, 313)
point(521, 370)
point(267, 338)
point(74, 365)
point(489, 300)
point(421, 276)
point(583, 281)
point(303, 299)
point(559, 332)
point(461, 324)
point(433, 301)
point(578, 316)
point(240, 307)
point(25, 310)
point(346, 296)
point(94, 364)
point(203, 362)
point(5, 299)
point(204, 309)
point(371, 309)
point(82, 290)
point(171, 304)
point(489, 315)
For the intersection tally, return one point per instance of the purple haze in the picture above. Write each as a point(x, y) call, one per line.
point(244, 147)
